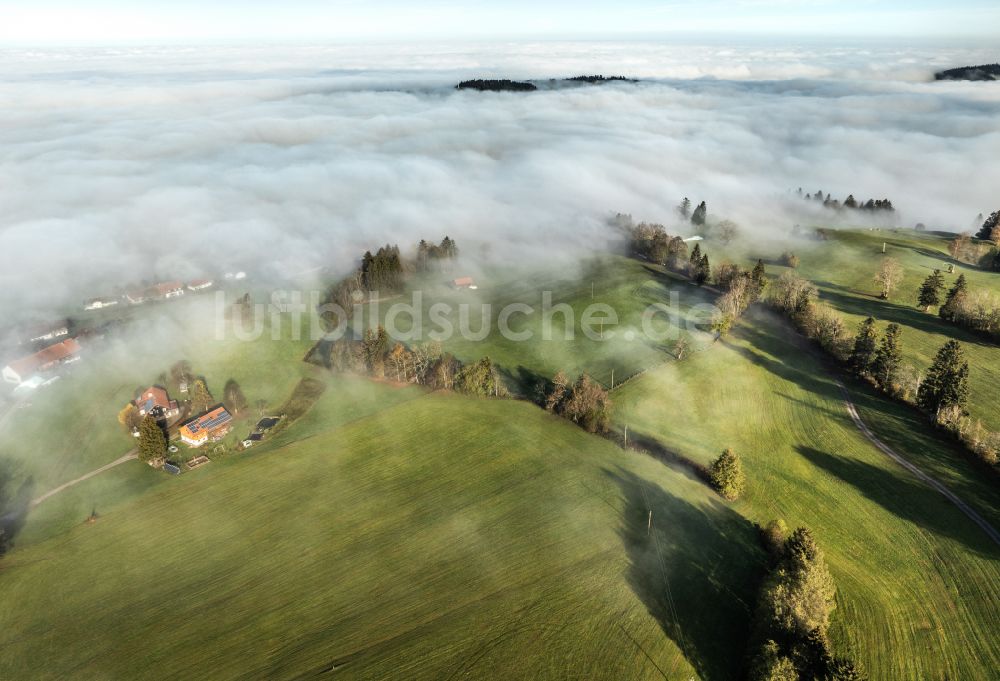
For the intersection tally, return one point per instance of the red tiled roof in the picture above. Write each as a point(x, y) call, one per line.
point(463, 281)
point(166, 287)
point(42, 359)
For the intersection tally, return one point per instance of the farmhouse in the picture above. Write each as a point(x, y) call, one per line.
point(200, 284)
point(170, 289)
point(46, 331)
point(155, 401)
point(99, 303)
point(24, 369)
point(464, 283)
point(210, 426)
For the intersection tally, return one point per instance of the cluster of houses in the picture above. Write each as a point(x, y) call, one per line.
point(210, 426)
point(165, 290)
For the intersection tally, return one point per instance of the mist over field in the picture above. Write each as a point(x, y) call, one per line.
point(120, 165)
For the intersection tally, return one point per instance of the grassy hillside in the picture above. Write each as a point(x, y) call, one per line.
point(843, 269)
point(919, 584)
point(627, 286)
point(69, 428)
point(441, 538)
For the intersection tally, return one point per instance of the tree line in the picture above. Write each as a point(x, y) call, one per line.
point(984, 252)
point(425, 364)
point(942, 393)
point(384, 272)
point(790, 635)
point(850, 203)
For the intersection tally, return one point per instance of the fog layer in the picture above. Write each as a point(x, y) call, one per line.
point(120, 166)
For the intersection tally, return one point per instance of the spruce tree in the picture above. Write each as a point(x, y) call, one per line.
point(727, 475)
point(865, 345)
point(703, 271)
point(888, 359)
point(695, 258)
point(953, 302)
point(930, 290)
point(699, 215)
point(947, 382)
point(986, 231)
point(685, 208)
point(152, 441)
point(201, 399)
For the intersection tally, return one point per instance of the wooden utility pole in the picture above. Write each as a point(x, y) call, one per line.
point(626, 436)
point(649, 523)
point(612, 379)
point(883, 247)
point(591, 290)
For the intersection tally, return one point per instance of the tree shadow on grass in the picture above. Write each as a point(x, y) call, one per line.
point(905, 497)
point(15, 502)
point(851, 302)
point(696, 569)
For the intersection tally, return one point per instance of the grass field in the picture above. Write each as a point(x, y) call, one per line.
point(393, 533)
point(71, 427)
point(843, 269)
point(439, 538)
point(918, 583)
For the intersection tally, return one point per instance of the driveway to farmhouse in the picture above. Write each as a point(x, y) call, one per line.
point(97, 471)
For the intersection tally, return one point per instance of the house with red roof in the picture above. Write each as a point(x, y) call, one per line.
point(49, 359)
point(154, 401)
point(213, 425)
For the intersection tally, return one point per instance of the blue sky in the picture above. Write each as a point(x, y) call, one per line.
point(117, 21)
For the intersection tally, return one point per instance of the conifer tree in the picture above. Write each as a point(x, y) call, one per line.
point(888, 359)
point(685, 208)
point(758, 278)
point(703, 271)
point(930, 290)
point(699, 215)
point(986, 231)
point(695, 259)
point(727, 475)
point(947, 381)
point(201, 399)
point(953, 302)
point(865, 345)
point(152, 441)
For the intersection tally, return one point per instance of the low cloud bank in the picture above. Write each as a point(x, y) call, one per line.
point(119, 166)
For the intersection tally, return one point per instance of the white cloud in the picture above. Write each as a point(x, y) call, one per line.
point(121, 165)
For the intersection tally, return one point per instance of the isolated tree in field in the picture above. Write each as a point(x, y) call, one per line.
point(699, 215)
point(947, 381)
point(588, 405)
point(930, 290)
point(129, 417)
point(201, 399)
point(888, 359)
point(233, 397)
point(727, 476)
point(954, 300)
point(704, 270)
point(775, 536)
point(865, 345)
point(986, 231)
point(889, 274)
point(152, 441)
point(684, 209)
